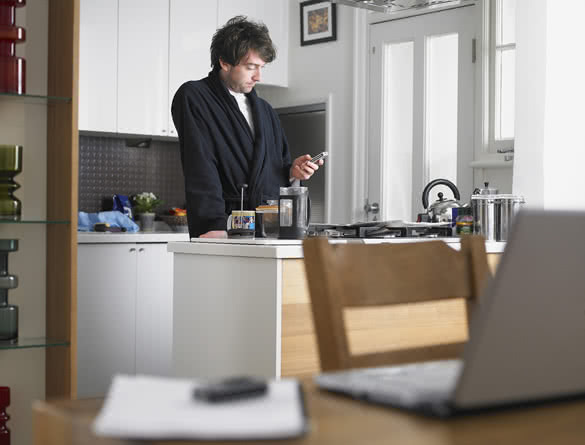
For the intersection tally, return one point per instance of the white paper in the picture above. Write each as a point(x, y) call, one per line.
point(142, 407)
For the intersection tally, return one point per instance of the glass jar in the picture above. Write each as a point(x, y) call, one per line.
point(464, 221)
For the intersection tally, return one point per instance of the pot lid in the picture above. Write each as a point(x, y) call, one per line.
point(487, 190)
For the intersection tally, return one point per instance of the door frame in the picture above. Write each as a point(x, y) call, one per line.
point(323, 104)
point(362, 19)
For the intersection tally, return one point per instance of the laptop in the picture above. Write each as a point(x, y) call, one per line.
point(527, 340)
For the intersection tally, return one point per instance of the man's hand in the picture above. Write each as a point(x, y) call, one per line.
point(214, 234)
point(303, 169)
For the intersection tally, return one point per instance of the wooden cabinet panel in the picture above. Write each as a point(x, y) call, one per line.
point(299, 356)
point(294, 282)
point(299, 345)
point(493, 261)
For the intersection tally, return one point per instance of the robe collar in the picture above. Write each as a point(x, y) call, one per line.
point(259, 152)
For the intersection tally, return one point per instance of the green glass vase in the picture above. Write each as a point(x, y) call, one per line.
point(8, 312)
point(10, 166)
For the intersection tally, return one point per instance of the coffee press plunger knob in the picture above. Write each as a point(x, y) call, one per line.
point(242, 187)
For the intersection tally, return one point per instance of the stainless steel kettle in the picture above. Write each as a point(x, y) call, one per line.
point(441, 209)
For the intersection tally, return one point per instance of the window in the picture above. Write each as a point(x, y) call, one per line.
point(502, 73)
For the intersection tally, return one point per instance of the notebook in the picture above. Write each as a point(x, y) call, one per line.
point(146, 407)
point(527, 339)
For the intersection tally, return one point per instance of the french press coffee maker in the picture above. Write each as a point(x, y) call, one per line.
point(294, 212)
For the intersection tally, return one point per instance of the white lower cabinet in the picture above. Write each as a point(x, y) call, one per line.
point(124, 313)
point(154, 310)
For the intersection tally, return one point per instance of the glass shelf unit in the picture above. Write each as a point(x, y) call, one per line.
point(34, 98)
point(33, 221)
point(32, 342)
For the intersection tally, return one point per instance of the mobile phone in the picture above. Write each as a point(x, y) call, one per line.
point(321, 155)
point(231, 389)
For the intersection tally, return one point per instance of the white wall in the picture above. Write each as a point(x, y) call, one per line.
point(24, 123)
point(550, 148)
point(530, 105)
point(318, 73)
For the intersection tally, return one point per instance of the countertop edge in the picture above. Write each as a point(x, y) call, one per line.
point(249, 249)
point(138, 237)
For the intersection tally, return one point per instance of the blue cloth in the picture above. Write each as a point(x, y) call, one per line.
point(114, 218)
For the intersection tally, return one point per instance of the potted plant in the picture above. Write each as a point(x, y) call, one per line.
point(144, 205)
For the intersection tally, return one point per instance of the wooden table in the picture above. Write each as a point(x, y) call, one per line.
point(342, 421)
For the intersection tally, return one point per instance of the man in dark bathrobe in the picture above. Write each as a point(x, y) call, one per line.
point(229, 136)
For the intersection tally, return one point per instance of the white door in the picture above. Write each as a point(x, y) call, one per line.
point(154, 310)
point(192, 25)
point(143, 67)
point(106, 300)
point(421, 105)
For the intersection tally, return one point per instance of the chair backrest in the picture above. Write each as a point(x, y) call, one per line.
point(342, 276)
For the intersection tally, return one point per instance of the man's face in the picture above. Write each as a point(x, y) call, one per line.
point(242, 77)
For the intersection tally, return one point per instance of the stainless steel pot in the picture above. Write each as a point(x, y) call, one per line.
point(493, 215)
point(506, 208)
point(484, 216)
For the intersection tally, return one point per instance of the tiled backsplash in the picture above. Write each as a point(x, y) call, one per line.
point(107, 167)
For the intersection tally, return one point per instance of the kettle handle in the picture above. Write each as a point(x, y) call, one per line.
point(430, 185)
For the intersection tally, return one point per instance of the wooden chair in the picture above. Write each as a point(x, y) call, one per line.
point(347, 276)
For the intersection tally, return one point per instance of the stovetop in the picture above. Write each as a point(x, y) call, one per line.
point(382, 229)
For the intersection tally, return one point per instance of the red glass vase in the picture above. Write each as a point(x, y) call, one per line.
point(12, 68)
point(4, 402)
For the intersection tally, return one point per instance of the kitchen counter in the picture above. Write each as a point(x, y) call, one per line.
point(124, 237)
point(242, 307)
point(277, 248)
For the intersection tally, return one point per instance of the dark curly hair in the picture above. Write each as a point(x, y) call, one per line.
point(232, 42)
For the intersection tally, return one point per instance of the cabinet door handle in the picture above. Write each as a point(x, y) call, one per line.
point(141, 249)
point(132, 249)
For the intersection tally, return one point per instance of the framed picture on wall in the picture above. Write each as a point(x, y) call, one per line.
point(318, 22)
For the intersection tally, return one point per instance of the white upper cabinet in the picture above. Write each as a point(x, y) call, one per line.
point(98, 65)
point(143, 73)
point(134, 55)
point(192, 26)
point(274, 14)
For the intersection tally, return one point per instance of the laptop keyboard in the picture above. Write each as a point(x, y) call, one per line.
point(431, 375)
point(406, 385)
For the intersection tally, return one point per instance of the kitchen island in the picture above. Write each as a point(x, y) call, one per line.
point(243, 307)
